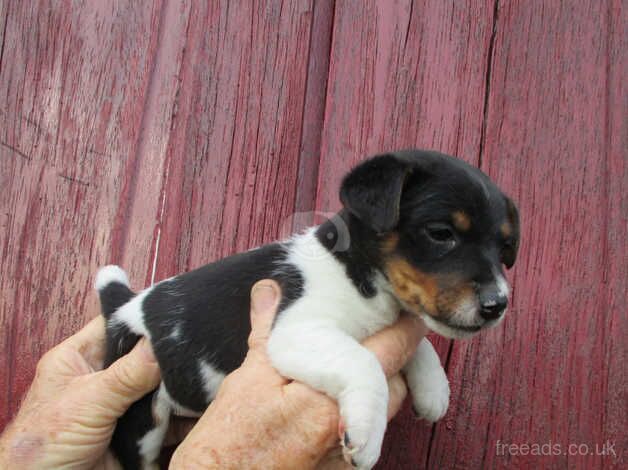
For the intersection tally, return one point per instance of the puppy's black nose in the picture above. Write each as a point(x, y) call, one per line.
point(492, 305)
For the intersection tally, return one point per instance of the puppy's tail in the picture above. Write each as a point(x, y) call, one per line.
point(112, 285)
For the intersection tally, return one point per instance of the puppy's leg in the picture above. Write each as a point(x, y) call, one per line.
point(336, 364)
point(140, 432)
point(427, 382)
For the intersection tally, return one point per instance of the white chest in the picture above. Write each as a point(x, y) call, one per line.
point(330, 297)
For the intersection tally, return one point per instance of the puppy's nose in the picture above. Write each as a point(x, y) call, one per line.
point(492, 305)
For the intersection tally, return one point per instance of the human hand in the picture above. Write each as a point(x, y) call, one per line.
point(261, 420)
point(71, 408)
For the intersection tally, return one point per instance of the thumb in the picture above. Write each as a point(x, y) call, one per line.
point(264, 302)
point(127, 380)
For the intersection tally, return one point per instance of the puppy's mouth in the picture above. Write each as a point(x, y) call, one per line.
point(449, 330)
point(446, 325)
point(456, 331)
point(465, 328)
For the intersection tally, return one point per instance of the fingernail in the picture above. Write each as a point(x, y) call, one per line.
point(146, 350)
point(263, 297)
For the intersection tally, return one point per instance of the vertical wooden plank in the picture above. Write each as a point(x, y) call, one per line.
point(134, 242)
point(72, 88)
point(4, 17)
point(233, 151)
point(615, 357)
point(403, 74)
point(314, 112)
point(556, 139)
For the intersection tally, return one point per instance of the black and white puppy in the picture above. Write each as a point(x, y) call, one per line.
point(419, 231)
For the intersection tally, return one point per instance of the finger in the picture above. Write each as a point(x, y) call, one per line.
point(126, 380)
point(334, 460)
point(89, 342)
point(94, 330)
point(397, 392)
point(264, 300)
point(394, 345)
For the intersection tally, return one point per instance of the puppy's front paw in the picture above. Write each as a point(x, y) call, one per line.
point(430, 396)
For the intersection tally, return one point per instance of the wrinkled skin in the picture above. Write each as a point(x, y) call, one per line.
point(258, 419)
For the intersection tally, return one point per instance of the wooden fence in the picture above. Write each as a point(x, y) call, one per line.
point(162, 135)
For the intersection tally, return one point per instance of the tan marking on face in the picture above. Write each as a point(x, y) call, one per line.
point(453, 297)
point(389, 245)
point(461, 220)
point(505, 229)
point(417, 289)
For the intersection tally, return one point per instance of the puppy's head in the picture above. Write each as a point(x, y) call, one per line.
point(444, 232)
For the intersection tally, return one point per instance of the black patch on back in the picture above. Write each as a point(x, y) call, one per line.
point(210, 307)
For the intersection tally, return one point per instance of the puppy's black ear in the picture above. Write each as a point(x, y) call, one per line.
point(372, 191)
point(509, 252)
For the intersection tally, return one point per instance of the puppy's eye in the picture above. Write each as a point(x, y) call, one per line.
point(441, 234)
point(508, 253)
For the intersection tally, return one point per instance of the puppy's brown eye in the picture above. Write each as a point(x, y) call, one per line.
point(508, 254)
point(441, 234)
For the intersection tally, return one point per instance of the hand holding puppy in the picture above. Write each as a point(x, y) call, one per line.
point(71, 408)
point(258, 418)
point(261, 420)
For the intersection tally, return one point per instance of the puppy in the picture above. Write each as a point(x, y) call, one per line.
point(420, 231)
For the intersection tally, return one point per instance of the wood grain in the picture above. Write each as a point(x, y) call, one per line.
point(233, 151)
point(313, 114)
point(4, 18)
point(71, 111)
point(164, 135)
point(614, 354)
point(134, 243)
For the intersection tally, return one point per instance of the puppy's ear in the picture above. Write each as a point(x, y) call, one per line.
point(372, 191)
point(509, 252)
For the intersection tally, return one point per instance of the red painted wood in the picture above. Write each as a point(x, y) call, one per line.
point(556, 140)
point(6, 321)
point(71, 111)
point(233, 150)
point(402, 74)
point(614, 356)
point(4, 17)
point(162, 138)
point(139, 209)
point(313, 113)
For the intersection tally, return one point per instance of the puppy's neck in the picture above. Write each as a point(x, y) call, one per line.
point(357, 247)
